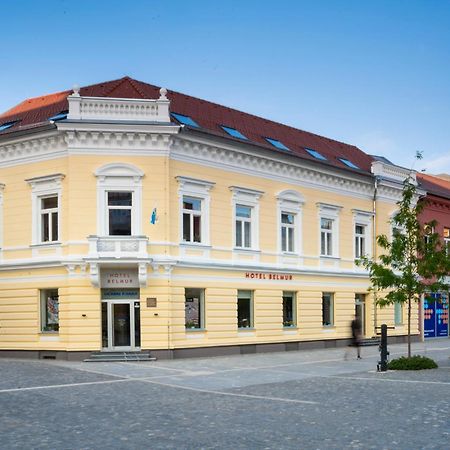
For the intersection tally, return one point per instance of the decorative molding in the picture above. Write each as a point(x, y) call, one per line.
point(239, 159)
point(392, 172)
point(107, 108)
point(32, 149)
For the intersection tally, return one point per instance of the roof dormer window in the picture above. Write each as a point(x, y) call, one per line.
point(6, 125)
point(185, 120)
point(233, 132)
point(277, 144)
point(315, 154)
point(348, 163)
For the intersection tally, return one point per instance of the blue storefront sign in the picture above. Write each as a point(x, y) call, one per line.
point(435, 315)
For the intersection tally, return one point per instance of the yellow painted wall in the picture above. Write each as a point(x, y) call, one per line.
point(164, 326)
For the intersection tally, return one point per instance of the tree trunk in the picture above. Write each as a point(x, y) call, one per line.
point(409, 327)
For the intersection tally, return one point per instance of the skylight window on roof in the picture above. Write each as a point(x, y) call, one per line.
point(233, 132)
point(60, 116)
point(185, 120)
point(348, 163)
point(316, 154)
point(6, 125)
point(277, 144)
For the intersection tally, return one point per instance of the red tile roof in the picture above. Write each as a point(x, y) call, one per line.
point(434, 185)
point(207, 114)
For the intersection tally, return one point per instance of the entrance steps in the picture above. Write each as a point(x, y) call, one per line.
point(120, 356)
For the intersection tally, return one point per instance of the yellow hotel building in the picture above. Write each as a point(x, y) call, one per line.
point(138, 219)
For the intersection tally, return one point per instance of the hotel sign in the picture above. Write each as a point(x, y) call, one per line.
point(268, 276)
point(119, 278)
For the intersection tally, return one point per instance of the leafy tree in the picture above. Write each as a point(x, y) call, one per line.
point(414, 262)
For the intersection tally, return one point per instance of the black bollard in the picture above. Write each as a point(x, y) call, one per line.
point(382, 364)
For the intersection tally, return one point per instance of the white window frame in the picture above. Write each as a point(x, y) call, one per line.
point(246, 294)
point(332, 321)
point(293, 296)
point(44, 187)
point(199, 189)
point(398, 314)
point(201, 326)
point(364, 219)
point(43, 293)
point(119, 177)
point(290, 202)
point(250, 198)
point(331, 212)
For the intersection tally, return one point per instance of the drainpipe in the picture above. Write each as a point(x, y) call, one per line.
point(374, 256)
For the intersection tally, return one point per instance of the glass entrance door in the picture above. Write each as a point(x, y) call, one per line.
point(359, 311)
point(121, 325)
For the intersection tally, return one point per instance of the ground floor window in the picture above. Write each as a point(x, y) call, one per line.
point(49, 310)
point(245, 309)
point(398, 313)
point(327, 309)
point(194, 308)
point(289, 309)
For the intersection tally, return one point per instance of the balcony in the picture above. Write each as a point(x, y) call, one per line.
point(118, 247)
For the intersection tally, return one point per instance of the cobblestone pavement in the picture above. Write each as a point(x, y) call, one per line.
point(293, 400)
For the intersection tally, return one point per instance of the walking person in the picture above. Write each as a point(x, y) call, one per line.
point(356, 329)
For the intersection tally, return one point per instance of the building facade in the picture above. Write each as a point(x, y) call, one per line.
point(133, 218)
point(434, 309)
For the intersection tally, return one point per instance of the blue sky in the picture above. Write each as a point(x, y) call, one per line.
point(372, 73)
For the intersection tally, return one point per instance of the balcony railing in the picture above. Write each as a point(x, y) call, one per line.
point(118, 247)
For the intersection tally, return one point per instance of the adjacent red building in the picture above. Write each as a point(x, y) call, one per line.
point(435, 310)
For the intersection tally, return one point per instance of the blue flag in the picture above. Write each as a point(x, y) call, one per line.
point(154, 217)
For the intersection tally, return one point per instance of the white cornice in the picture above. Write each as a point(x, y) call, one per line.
point(239, 158)
point(34, 148)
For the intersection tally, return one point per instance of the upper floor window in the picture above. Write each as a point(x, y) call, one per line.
point(243, 226)
point(329, 229)
point(289, 213)
point(49, 219)
point(120, 207)
point(326, 237)
point(447, 239)
point(194, 210)
point(245, 217)
point(192, 219)
point(362, 221)
point(46, 208)
point(288, 232)
point(360, 240)
point(119, 187)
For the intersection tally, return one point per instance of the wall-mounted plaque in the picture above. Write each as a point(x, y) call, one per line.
point(151, 302)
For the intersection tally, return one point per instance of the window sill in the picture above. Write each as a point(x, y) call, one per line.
point(330, 257)
point(290, 253)
point(194, 245)
point(290, 327)
point(328, 329)
point(46, 244)
point(195, 330)
point(246, 329)
point(246, 250)
point(49, 333)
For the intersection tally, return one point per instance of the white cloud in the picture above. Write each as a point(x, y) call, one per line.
point(440, 164)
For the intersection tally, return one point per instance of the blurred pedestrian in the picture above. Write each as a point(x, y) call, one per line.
point(356, 330)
